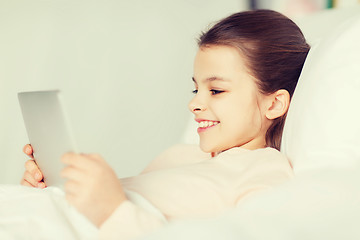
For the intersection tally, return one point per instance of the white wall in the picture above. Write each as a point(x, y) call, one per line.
point(316, 25)
point(124, 68)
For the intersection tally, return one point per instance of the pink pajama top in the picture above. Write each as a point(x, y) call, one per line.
point(186, 183)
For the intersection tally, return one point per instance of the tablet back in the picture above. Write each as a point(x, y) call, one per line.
point(48, 131)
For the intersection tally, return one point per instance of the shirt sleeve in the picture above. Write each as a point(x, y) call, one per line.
point(129, 221)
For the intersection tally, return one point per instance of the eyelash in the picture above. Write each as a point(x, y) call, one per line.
point(213, 91)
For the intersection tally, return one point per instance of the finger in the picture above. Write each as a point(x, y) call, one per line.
point(33, 169)
point(26, 183)
point(41, 185)
point(71, 198)
point(73, 174)
point(28, 177)
point(28, 150)
point(72, 188)
point(94, 156)
point(81, 161)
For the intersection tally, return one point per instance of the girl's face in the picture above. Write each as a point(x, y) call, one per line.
point(227, 104)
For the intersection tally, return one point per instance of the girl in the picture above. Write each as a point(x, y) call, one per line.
point(245, 73)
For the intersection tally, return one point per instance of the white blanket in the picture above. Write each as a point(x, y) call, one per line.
point(30, 213)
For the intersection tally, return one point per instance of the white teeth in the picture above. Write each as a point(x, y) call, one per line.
point(205, 124)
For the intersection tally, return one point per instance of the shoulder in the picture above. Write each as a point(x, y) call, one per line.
point(260, 160)
point(261, 154)
point(256, 170)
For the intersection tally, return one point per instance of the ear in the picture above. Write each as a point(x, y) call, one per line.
point(278, 104)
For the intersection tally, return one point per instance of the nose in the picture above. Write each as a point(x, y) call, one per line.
point(195, 105)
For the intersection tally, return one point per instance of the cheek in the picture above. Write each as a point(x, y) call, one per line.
point(254, 119)
point(245, 116)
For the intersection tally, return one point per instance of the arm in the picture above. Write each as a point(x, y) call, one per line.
point(94, 189)
point(92, 186)
point(130, 220)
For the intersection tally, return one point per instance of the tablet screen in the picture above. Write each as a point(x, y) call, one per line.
point(48, 130)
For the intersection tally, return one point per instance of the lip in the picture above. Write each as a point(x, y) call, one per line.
point(200, 130)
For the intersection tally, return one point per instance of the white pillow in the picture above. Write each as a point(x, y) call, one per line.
point(323, 122)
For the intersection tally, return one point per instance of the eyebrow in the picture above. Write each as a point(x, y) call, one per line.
point(210, 79)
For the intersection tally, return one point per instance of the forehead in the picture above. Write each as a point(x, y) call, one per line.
point(220, 61)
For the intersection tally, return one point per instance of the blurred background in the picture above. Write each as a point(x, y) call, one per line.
point(124, 68)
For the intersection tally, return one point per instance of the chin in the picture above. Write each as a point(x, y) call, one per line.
point(206, 148)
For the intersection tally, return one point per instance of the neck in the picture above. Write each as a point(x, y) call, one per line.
point(251, 145)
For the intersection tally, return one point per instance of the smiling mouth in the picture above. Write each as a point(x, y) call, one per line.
point(204, 125)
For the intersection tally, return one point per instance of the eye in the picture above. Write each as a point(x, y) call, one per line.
point(215, 92)
point(195, 91)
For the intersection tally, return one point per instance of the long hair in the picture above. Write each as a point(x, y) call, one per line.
point(274, 48)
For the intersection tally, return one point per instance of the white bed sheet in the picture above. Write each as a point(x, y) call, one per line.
point(30, 213)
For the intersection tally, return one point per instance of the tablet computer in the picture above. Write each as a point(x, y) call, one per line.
point(48, 130)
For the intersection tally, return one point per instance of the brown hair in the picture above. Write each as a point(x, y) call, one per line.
point(275, 50)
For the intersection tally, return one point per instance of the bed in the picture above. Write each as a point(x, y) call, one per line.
point(321, 138)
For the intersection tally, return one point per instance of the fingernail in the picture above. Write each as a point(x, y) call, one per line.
point(40, 185)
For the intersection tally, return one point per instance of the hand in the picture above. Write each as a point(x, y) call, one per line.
point(32, 177)
point(92, 186)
